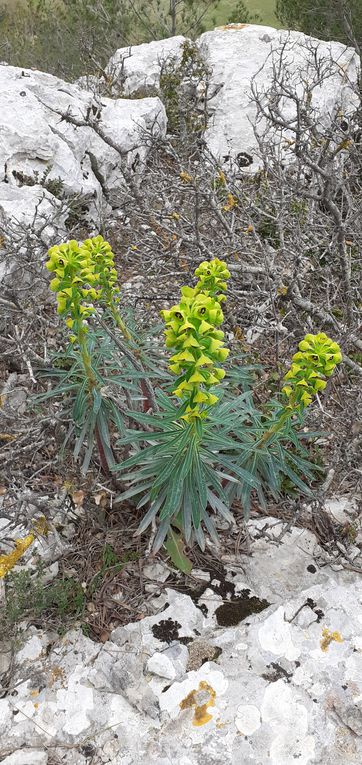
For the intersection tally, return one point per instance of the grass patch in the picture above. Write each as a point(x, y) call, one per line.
point(264, 8)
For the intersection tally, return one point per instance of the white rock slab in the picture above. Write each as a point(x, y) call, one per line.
point(251, 52)
point(139, 66)
point(35, 139)
point(283, 689)
point(26, 757)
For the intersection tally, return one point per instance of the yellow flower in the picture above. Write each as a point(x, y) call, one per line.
point(315, 361)
point(212, 276)
point(185, 177)
point(191, 331)
point(231, 203)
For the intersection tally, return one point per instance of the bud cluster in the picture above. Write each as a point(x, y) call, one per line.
point(191, 329)
point(315, 361)
point(84, 274)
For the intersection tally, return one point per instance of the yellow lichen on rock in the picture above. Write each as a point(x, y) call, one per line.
point(226, 27)
point(328, 638)
point(9, 560)
point(196, 699)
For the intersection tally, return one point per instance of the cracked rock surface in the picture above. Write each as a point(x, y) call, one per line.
point(282, 685)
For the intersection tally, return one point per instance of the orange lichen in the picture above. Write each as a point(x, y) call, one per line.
point(57, 673)
point(8, 561)
point(233, 26)
point(196, 700)
point(328, 638)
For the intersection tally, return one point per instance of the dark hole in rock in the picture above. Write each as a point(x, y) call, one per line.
point(315, 701)
point(344, 125)
point(344, 687)
point(166, 630)
point(88, 750)
point(312, 569)
point(185, 640)
point(166, 688)
point(203, 607)
point(230, 614)
point(243, 159)
point(277, 672)
point(297, 663)
point(318, 611)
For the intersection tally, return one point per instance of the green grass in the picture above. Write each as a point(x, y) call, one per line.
point(265, 9)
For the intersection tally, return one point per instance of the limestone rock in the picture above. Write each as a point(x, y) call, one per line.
point(252, 51)
point(138, 67)
point(240, 59)
point(38, 147)
point(171, 663)
point(26, 757)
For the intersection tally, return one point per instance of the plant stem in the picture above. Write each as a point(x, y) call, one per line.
point(92, 385)
point(146, 386)
point(119, 321)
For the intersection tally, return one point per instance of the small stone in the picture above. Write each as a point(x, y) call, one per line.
point(247, 719)
point(198, 573)
point(342, 509)
point(158, 572)
point(5, 657)
point(162, 666)
point(31, 651)
point(170, 663)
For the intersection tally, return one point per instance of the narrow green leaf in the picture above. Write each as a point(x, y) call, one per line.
point(175, 547)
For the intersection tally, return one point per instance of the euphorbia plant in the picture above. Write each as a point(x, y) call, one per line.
point(99, 375)
point(214, 445)
point(190, 452)
point(204, 443)
point(273, 442)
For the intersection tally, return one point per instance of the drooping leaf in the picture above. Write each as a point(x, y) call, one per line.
point(175, 547)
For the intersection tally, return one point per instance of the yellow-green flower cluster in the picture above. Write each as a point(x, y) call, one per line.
point(212, 276)
point(191, 329)
point(101, 258)
point(84, 273)
point(315, 361)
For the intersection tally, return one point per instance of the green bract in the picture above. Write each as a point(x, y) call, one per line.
point(315, 361)
point(212, 275)
point(191, 329)
point(101, 258)
point(84, 273)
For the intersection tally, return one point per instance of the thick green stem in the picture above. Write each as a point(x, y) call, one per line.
point(85, 356)
point(119, 321)
point(92, 385)
point(291, 409)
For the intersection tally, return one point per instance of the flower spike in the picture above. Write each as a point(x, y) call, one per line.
point(191, 330)
point(315, 361)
